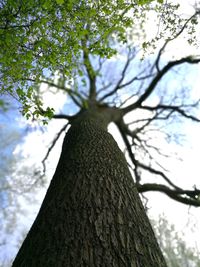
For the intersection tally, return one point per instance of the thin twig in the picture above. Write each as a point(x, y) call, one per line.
point(52, 146)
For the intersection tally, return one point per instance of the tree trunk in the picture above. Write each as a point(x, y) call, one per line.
point(92, 215)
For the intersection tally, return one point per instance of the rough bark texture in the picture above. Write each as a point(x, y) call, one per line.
point(92, 215)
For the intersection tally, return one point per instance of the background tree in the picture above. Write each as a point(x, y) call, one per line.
point(174, 246)
point(10, 136)
point(17, 180)
point(80, 42)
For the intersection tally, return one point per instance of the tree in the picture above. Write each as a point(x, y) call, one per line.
point(173, 244)
point(16, 179)
point(8, 203)
point(92, 214)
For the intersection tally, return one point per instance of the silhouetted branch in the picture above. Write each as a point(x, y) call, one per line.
point(136, 78)
point(189, 197)
point(63, 116)
point(124, 132)
point(131, 155)
point(101, 62)
point(52, 146)
point(157, 78)
point(89, 68)
point(104, 88)
point(118, 85)
point(71, 92)
point(127, 99)
point(157, 172)
point(172, 108)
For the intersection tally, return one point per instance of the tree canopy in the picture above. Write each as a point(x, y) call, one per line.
point(105, 56)
point(100, 54)
point(40, 38)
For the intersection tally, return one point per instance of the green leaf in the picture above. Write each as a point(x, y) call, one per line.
point(143, 2)
point(60, 2)
point(20, 92)
point(47, 4)
point(3, 105)
point(49, 112)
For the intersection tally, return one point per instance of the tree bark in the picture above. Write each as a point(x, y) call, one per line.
point(92, 215)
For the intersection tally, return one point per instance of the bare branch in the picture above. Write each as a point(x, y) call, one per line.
point(52, 146)
point(71, 92)
point(157, 78)
point(156, 172)
point(189, 197)
point(101, 61)
point(128, 146)
point(89, 68)
point(136, 78)
point(172, 108)
point(127, 99)
point(63, 116)
point(104, 88)
point(52, 84)
point(124, 130)
point(130, 57)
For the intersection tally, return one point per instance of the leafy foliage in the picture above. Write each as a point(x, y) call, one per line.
point(39, 38)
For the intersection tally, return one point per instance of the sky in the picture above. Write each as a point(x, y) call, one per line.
point(35, 145)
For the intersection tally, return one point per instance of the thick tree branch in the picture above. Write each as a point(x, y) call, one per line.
point(63, 116)
point(157, 78)
point(156, 172)
point(189, 197)
point(172, 108)
point(89, 68)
